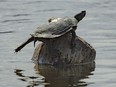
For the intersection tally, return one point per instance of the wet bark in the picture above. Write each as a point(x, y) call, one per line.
point(59, 51)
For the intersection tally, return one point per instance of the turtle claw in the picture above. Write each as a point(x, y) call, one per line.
point(34, 42)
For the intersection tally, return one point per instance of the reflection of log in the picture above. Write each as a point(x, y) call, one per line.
point(58, 51)
point(65, 76)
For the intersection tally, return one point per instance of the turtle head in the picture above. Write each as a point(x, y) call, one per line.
point(80, 16)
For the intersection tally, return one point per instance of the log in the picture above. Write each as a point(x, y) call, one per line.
point(58, 51)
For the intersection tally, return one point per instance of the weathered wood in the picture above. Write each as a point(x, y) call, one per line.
point(58, 51)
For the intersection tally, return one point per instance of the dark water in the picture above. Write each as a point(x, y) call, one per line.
point(18, 18)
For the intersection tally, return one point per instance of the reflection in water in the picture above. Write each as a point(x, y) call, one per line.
point(31, 80)
point(58, 76)
point(64, 76)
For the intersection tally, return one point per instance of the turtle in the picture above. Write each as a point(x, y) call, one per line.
point(56, 27)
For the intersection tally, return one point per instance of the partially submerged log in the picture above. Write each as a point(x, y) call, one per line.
point(58, 51)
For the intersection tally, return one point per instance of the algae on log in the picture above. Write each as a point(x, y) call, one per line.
point(58, 51)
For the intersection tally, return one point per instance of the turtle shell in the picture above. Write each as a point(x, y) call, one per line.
point(56, 28)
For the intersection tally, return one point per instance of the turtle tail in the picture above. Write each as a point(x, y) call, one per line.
point(24, 44)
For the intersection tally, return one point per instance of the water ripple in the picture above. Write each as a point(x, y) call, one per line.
point(17, 15)
point(49, 10)
point(35, 2)
point(14, 20)
point(3, 32)
point(31, 80)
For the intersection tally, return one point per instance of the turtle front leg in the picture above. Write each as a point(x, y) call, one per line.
point(73, 37)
